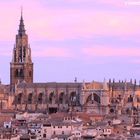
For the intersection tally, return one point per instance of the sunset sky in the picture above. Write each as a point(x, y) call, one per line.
point(87, 39)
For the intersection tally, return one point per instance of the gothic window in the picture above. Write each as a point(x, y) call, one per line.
point(14, 55)
point(21, 73)
point(93, 97)
point(51, 97)
point(73, 98)
point(40, 98)
point(24, 53)
point(20, 54)
point(61, 98)
point(19, 97)
point(16, 73)
point(30, 98)
point(97, 98)
point(89, 99)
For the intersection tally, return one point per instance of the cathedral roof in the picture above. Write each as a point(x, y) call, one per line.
point(50, 84)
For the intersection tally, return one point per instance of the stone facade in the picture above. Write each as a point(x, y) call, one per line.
point(47, 97)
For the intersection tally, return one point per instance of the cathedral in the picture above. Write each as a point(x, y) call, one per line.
point(23, 95)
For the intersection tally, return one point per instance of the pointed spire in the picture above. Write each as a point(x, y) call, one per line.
point(105, 86)
point(113, 80)
point(109, 84)
point(135, 82)
point(84, 85)
point(109, 81)
point(131, 80)
point(125, 85)
point(21, 30)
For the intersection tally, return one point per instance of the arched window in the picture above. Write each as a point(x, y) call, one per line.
point(51, 97)
point(89, 99)
point(14, 55)
point(97, 98)
point(30, 98)
point(73, 98)
point(40, 98)
point(61, 98)
point(16, 73)
point(21, 73)
point(19, 98)
point(24, 53)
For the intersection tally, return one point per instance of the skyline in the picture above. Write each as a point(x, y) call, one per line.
point(87, 39)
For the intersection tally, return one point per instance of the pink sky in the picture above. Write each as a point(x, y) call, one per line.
point(76, 36)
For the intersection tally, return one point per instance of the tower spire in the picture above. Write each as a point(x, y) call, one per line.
point(21, 67)
point(21, 30)
point(21, 11)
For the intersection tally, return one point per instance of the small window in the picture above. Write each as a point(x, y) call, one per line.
point(44, 135)
point(6, 126)
point(124, 126)
point(62, 132)
point(47, 125)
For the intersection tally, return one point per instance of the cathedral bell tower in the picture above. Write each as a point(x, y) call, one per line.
point(21, 67)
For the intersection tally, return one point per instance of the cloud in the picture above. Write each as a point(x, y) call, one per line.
point(60, 23)
point(105, 51)
point(52, 52)
point(135, 61)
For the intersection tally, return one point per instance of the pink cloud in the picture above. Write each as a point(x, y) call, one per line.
point(75, 24)
point(106, 51)
point(44, 22)
point(135, 61)
point(52, 52)
point(115, 3)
